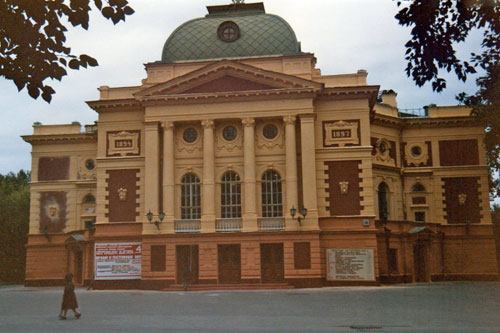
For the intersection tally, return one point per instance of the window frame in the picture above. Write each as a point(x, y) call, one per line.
point(190, 197)
point(271, 194)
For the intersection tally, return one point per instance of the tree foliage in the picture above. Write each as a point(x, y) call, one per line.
point(33, 39)
point(437, 27)
point(14, 224)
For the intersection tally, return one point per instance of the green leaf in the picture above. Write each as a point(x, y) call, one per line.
point(33, 90)
point(107, 12)
point(19, 84)
point(128, 10)
point(74, 64)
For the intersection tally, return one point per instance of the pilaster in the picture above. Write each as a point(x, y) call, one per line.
point(168, 175)
point(250, 211)
point(152, 159)
point(291, 171)
point(208, 191)
point(309, 172)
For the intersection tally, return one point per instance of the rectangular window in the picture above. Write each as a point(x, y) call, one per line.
point(420, 216)
point(158, 258)
point(302, 255)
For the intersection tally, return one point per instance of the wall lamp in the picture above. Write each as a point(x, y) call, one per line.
point(302, 211)
point(150, 217)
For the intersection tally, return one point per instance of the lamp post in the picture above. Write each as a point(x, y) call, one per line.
point(150, 217)
point(302, 211)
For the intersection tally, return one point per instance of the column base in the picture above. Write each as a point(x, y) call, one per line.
point(249, 224)
point(311, 221)
point(168, 225)
point(207, 224)
point(292, 224)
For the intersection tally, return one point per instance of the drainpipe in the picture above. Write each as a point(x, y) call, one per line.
point(403, 194)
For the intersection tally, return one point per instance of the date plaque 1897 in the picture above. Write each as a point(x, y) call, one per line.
point(350, 265)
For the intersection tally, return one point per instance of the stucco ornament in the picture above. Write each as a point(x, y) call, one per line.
point(382, 152)
point(344, 187)
point(462, 198)
point(52, 211)
point(122, 194)
point(340, 133)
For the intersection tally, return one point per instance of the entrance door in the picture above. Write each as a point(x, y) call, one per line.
point(187, 263)
point(272, 263)
point(229, 263)
point(419, 262)
point(78, 266)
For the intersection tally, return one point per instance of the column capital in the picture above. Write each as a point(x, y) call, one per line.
point(207, 123)
point(248, 122)
point(307, 118)
point(151, 125)
point(289, 119)
point(167, 124)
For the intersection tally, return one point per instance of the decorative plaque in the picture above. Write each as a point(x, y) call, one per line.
point(350, 265)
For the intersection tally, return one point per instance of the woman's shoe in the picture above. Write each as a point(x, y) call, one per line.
point(78, 315)
point(62, 318)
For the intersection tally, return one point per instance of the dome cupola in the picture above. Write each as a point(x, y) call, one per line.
point(237, 30)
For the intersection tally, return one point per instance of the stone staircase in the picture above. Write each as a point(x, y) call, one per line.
point(234, 286)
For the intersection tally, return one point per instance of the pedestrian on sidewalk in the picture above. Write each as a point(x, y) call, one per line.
point(69, 301)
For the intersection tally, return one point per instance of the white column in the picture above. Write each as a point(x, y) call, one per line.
point(291, 169)
point(250, 211)
point(168, 174)
point(309, 194)
point(208, 191)
point(152, 159)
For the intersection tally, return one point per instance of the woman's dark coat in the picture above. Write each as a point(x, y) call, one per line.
point(69, 298)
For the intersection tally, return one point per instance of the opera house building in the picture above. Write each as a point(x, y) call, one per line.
point(236, 163)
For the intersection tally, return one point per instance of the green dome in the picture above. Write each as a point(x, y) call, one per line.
point(260, 34)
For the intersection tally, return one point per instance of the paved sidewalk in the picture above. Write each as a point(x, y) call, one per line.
point(440, 307)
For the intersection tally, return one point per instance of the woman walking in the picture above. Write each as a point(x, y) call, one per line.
point(69, 298)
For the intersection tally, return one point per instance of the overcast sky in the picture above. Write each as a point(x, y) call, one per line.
point(344, 35)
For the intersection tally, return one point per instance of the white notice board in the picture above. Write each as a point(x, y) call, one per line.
point(118, 261)
point(350, 265)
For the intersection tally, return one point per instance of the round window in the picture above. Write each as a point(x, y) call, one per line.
point(416, 151)
point(270, 131)
point(229, 133)
point(228, 31)
point(90, 164)
point(190, 135)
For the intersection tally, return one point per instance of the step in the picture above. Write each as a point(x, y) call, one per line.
point(232, 286)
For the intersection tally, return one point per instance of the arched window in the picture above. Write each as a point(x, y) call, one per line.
point(383, 201)
point(190, 197)
point(230, 195)
point(272, 196)
point(418, 188)
point(89, 199)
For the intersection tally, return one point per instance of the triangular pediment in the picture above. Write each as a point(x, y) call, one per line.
point(227, 76)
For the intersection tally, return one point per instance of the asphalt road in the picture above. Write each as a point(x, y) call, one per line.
point(439, 307)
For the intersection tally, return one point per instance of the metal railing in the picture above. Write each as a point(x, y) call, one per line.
point(271, 223)
point(187, 225)
point(413, 113)
point(227, 225)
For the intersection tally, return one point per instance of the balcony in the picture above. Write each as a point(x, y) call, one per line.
point(187, 226)
point(228, 225)
point(271, 223)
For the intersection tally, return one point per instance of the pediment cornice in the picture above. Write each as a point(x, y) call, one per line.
point(262, 80)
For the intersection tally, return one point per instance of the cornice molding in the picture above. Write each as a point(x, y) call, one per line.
point(112, 104)
point(61, 138)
